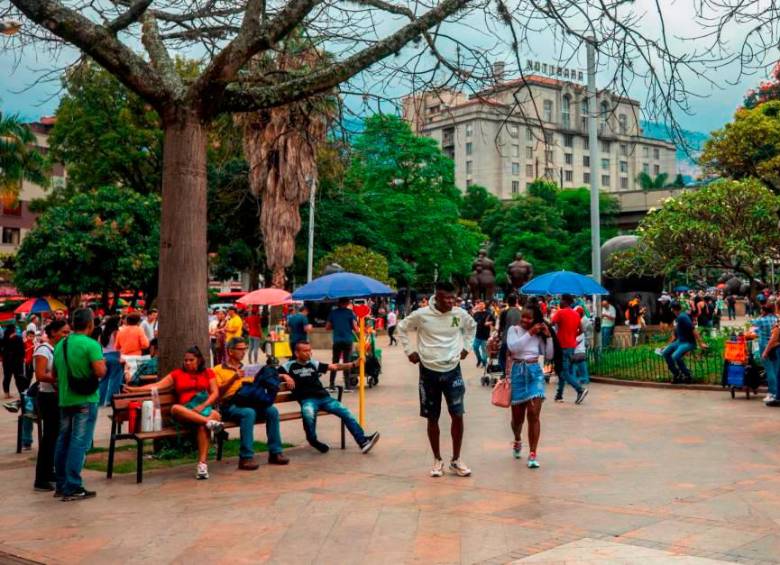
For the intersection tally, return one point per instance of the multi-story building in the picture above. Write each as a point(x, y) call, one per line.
point(505, 137)
point(16, 218)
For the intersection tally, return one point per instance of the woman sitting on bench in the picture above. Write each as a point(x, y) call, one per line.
point(196, 393)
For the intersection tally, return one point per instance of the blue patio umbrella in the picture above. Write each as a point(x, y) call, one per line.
point(682, 288)
point(563, 282)
point(342, 285)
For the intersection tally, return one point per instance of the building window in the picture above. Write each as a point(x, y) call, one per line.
point(605, 180)
point(586, 178)
point(624, 149)
point(529, 171)
point(515, 168)
point(468, 167)
point(529, 134)
point(11, 236)
point(624, 183)
point(646, 168)
point(515, 151)
point(568, 176)
point(604, 114)
point(469, 129)
point(448, 137)
point(568, 140)
point(568, 158)
point(605, 147)
point(515, 186)
point(585, 161)
point(549, 138)
point(566, 112)
point(529, 152)
point(548, 156)
point(584, 113)
point(624, 166)
point(645, 151)
point(469, 148)
point(605, 163)
point(586, 143)
point(513, 130)
point(656, 170)
point(549, 173)
point(623, 123)
point(548, 110)
point(469, 182)
point(656, 153)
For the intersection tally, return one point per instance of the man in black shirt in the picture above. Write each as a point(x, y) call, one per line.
point(485, 322)
point(302, 375)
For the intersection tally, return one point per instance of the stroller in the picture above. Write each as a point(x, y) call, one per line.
point(492, 370)
point(373, 363)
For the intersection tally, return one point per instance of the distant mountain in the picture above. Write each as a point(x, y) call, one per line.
point(694, 139)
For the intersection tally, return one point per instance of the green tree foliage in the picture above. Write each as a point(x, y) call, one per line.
point(747, 147)
point(106, 135)
point(477, 203)
point(106, 239)
point(406, 185)
point(727, 225)
point(358, 259)
point(19, 160)
point(549, 226)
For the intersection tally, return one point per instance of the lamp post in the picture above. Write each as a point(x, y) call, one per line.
point(595, 212)
point(310, 255)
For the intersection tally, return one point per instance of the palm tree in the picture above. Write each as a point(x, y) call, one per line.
point(19, 159)
point(280, 145)
point(646, 182)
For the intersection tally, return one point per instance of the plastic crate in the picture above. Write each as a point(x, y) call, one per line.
point(735, 375)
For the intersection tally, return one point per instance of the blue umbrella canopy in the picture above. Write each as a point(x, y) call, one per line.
point(342, 285)
point(563, 282)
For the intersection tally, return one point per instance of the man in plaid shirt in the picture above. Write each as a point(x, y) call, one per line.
point(762, 329)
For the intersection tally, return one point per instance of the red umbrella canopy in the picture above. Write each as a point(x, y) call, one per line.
point(266, 297)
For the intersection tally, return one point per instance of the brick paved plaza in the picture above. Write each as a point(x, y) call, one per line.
point(631, 476)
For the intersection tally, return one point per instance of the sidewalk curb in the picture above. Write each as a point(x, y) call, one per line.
point(652, 384)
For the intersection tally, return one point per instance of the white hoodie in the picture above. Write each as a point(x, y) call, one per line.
point(440, 336)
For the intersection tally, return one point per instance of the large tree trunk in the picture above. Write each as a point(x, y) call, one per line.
point(279, 280)
point(183, 299)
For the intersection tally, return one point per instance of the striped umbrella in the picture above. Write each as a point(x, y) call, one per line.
point(37, 305)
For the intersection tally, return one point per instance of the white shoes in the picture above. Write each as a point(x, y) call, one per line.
point(438, 468)
point(202, 472)
point(459, 468)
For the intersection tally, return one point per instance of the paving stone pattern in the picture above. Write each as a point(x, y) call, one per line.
point(631, 476)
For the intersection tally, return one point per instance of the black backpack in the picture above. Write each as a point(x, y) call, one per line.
point(260, 393)
point(83, 386)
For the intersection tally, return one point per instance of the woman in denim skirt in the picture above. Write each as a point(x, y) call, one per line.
point(526, 344)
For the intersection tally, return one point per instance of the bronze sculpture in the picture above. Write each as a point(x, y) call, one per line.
point(482, 281)
point(519, 272)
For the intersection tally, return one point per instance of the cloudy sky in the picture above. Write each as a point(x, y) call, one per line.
point(710, 108)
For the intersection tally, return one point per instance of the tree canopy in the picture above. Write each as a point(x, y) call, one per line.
point(729, 225)
point(358, 259)
point(19, 159)
point(105, 239)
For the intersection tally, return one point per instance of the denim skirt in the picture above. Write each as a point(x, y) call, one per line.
point(527, 382)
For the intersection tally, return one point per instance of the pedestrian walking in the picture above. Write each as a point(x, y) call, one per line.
point(343, 323)
point(112, 383)
point(78, 357)
point(509, 317)
point(299, 327)
point(731, 306)
point(567, 328)
point(527, 343)
point(762, 330)
point(13, 361)
point(444, 335)
point(485, 322)
point(608, 316)
point(392, 324)
point(255, 329)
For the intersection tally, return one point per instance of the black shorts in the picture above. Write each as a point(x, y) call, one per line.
point(434, 385)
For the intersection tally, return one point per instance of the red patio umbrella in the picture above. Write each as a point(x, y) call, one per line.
point(266, 297)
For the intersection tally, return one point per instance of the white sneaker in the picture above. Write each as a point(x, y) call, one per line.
point(215, 426)
point(459, 468)
point(769, 398)
point(202, 472)
point(438, 468)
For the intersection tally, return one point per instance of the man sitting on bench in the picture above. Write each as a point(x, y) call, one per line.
point(230, 377)
point(302, 375)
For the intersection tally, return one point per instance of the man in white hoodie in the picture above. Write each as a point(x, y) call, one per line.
point(444, 337)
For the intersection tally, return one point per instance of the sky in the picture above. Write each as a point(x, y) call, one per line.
point(713, 105)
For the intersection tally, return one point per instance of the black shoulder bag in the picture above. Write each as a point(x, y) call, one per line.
point(85, 386)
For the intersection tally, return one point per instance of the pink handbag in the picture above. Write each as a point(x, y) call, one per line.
point(502, 394)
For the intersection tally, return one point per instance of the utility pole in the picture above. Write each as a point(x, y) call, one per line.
point(312, 203)
point(593, 140)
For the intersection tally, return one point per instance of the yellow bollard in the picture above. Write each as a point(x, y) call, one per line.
point(362, 377)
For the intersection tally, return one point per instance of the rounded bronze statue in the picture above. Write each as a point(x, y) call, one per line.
point(519, 272)
point(482, 281)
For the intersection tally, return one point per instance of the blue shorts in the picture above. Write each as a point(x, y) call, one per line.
point(434, 385)
point(527, 382)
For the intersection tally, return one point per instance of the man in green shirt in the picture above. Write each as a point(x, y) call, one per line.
point(78, 412)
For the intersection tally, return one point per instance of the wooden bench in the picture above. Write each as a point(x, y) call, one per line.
point(120, 416)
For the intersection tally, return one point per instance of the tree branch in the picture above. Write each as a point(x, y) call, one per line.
point(132, 15)
point(247, 100)
point(100, 44)
point(158, 55)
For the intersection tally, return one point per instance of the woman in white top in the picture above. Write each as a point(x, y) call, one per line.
point(527, 344)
